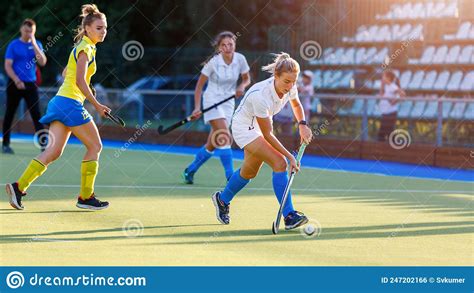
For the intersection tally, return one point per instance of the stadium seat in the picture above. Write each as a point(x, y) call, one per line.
point(405, 109)
point(359, 55)
point(369, 55)
point(447, 107)
point(442, 81)
point(466, 55)
point(428, 55)
point(345, 81)
point(383, 34)
point(416, 80)
point(360, 34)
point(371, 33)
point(415, 11)
point(453, 55)
point(371, 107)
point(450, 9)
point(440, 55)
point(357, 107)
point(458, 110)
point(336, 57)
point(349, 56)
point(326, 55)
point(467, 83)
point(418, 109)
point(431, 110)
point(469, 113)
point(416, 33)
point(471, 34)
point(464, 31)
point(429, 80)
point(335, 79)
point(377, 84)
point(403, 32)
point(327, 74)
point(379, 58)
point(405, 78)
point(455, 81)
point(317, 79)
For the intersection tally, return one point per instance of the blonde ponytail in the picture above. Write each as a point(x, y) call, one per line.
point(89, 13)
point(282, 63)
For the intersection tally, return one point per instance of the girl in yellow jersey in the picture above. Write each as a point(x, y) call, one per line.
point(66, 114)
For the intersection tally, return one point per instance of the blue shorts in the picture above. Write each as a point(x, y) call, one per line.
point(67, 111)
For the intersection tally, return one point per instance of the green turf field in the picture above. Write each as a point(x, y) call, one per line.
point(365, 219)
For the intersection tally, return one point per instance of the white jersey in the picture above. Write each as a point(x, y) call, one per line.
point(261, 101)
point(390, 90)
point(222, 77)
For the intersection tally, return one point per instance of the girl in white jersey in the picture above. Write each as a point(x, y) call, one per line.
point(390, 88)
point(253, 131)
point(221, 73)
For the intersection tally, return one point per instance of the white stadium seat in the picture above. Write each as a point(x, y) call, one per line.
point(466, 55)
point(428, 55)
point(453, 55)
point(442, 81)
point(440, 55)
point(416, 80)
point(467, 83)
point(405, 78)
point(429, 80)
point(455, 81)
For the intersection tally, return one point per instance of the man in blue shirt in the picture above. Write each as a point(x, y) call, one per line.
point(21, 58)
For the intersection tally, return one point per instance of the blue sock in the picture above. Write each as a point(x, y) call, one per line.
point(201, 157)
point(226, 160)
point(235, 184)
point(280, 180)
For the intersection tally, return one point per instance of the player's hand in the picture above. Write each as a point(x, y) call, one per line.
point(294, 165)
point(239, 92)
point(196, 114)
point(306, 135)
point(101, 109)
point(20, 85)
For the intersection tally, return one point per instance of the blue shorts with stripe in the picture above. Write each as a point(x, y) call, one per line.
point(67, 111)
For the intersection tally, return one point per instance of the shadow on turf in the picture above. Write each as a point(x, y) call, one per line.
point(264, 235)
point(21, 238)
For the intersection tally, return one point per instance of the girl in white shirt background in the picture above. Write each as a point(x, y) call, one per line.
point(221, 72)
point(252, 130)
point(390, 88)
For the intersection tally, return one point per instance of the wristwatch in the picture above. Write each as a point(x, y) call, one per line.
point(303, 122)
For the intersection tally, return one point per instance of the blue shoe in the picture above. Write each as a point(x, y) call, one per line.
point(7, 150)
point(91, 203)
point(222, 209)
point(294, 220)
point(188, 176)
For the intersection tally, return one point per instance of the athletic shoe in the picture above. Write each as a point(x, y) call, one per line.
point(15, 195)
point(222, 209)
point(294, 220)
point(7, 150)
point(91, 203)
point(188, 177)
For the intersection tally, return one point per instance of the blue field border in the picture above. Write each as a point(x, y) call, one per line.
point(310, 161)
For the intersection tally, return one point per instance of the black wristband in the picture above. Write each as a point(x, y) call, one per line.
point(303, 122)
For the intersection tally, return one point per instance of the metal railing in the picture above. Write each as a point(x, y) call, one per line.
point(352, 116)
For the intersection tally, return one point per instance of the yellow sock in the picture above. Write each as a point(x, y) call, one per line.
point(89, 171)
point(34, 170)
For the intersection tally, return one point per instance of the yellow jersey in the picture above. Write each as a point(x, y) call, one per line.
point(69, 88)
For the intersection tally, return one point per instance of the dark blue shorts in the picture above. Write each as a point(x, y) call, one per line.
point(67, 111)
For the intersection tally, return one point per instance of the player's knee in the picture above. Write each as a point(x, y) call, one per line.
point(53, 154)
point(280, 164)
point(95, 148)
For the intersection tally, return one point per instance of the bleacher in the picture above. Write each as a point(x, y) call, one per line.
point(430, 65)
